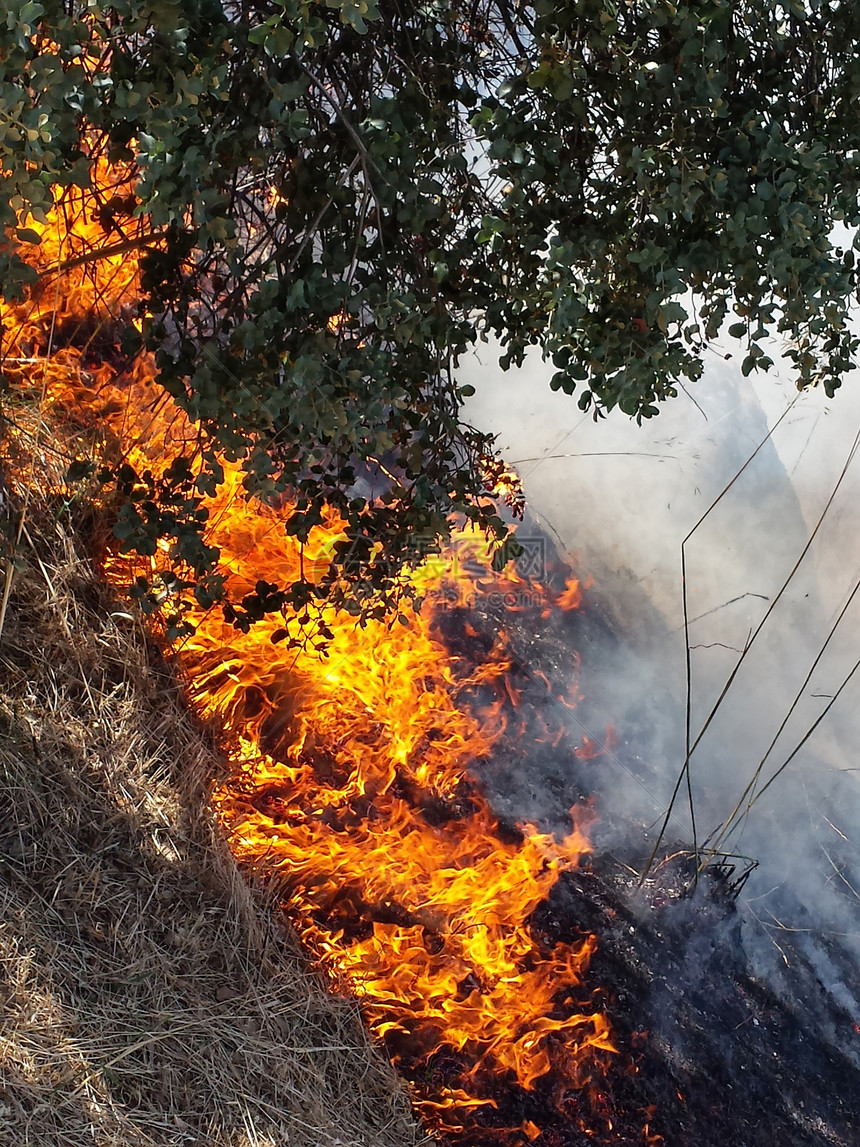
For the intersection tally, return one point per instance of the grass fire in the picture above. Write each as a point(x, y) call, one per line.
point(354, 758)
point(353, 762)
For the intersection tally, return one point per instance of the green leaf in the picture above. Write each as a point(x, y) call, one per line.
point(341, 251)
point(30, 12)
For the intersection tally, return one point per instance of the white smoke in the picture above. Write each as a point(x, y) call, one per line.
point(619, 499)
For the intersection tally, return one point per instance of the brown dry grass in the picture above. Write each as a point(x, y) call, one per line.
point(148, 994)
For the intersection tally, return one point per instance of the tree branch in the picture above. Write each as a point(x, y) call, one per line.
point(103, 253)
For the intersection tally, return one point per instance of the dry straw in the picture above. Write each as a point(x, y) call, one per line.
point(148, 993)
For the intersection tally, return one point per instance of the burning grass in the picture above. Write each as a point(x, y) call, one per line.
point(148, 993)
point(391, 863)
point(351, 773)
point(151, 997)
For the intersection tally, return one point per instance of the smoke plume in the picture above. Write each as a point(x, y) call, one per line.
point(763, 483)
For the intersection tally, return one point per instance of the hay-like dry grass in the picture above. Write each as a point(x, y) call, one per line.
point(148, 993)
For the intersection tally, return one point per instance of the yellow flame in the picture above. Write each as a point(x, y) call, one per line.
point(349, 771)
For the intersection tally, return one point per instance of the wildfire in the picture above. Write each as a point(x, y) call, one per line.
point(351, 775)
point(571, 598)
point(505, 483)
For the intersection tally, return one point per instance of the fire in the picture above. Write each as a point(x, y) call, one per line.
point(588, 750)
point(505, 483)
point(352, 773)
point(571, 598)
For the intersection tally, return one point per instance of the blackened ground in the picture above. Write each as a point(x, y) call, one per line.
point(709, 1055)
point(722, 1059)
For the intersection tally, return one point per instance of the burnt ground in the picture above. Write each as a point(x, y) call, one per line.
point(710, 1053)
point(721, 1058)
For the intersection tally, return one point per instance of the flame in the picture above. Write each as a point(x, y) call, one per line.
point(351, 773)
point(571, 598)
point(589, 749)
point(505, 483)
point(649, 1137)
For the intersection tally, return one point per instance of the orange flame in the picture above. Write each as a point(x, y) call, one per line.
point(505, 483)
point(349, 777)
point(571, 597)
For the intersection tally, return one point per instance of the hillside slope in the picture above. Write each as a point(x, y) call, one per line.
point(148, 995)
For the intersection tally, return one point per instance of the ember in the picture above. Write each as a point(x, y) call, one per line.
point(353, 773)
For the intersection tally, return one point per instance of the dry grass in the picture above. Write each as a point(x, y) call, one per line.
point(148, 995)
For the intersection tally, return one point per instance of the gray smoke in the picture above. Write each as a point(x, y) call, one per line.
point(619, 499)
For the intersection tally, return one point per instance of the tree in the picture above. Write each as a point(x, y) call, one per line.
point(335, 201)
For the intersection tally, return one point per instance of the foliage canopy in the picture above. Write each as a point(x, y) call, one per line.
point(350, 194)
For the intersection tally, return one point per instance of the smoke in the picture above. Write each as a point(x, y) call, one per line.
point(765, 573)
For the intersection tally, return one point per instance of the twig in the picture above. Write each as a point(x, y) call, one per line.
point(731, 601)
point(103, 253)
point(750, 788)
point(689, 748)
point(596, 454)
point(806, 735)
point(367, 161)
